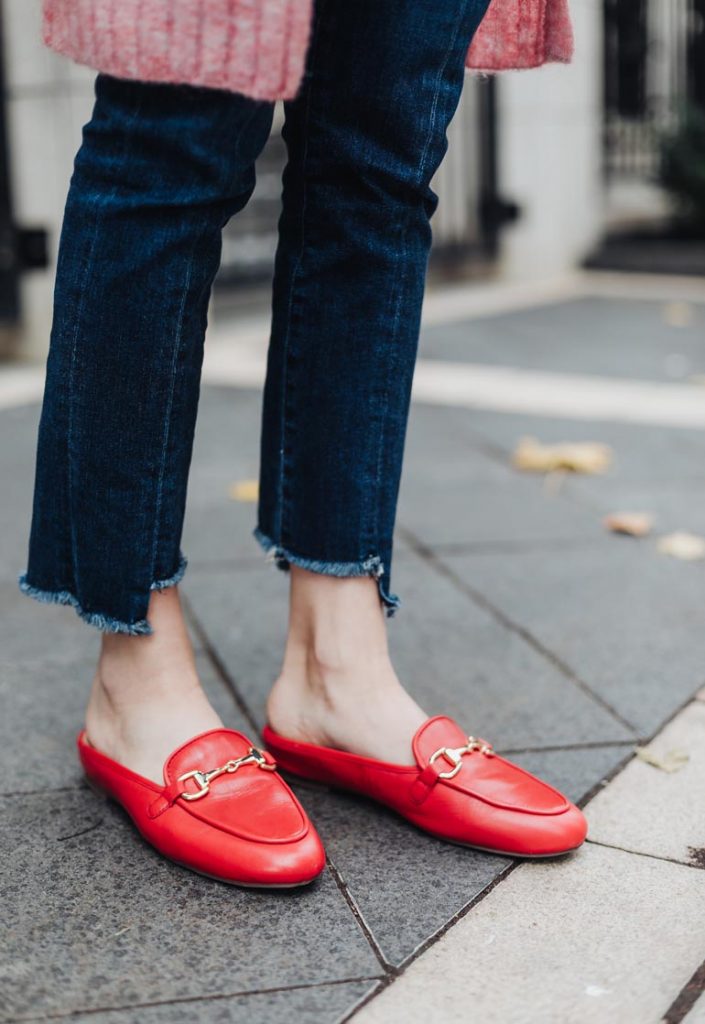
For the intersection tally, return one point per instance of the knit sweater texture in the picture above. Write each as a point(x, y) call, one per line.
point(258, 47)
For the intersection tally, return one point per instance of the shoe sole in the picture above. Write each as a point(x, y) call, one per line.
point(103, 794)
point(500, 853)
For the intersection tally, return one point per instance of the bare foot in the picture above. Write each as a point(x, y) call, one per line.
point(147, 698)
point(337, 686)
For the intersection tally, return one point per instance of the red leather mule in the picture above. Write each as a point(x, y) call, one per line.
point(223, 811)
point(458, 790)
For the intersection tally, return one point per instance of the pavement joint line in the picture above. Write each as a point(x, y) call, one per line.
point(555, 747)
point(250, 564)
point(350, 1011)
point(354, 909)
point(229, 682)
point(487, 446)
point(443, 547)
point(236, 562)
point(81, 832)
point(181, 1000)
point(643, 741)
point(600, 785)
point(686, 998)
point(41, 792)
point(443, 569)
point(431, 940)
point(219, 665)
point(643, 853)
point(498, 547)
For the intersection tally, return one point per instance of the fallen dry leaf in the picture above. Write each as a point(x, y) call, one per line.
point(244, 490)
point(678, 314)
point(672, 760)
point(575, 456)
point(634, 524)
point(686, 546)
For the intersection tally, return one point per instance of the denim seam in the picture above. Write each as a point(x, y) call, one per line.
point(279, 520)
point(101, 203)
point(167, 412)
point(178, 340)
point(396, 296)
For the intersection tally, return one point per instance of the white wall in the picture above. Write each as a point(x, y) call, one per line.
point(549, 126)
point(49, 98)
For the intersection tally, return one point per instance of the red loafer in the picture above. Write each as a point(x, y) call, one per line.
point(223, 811)
point(459, 790)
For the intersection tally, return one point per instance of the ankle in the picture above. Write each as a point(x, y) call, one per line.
point(353, 709)
point(118, 687)
point(327, 674)
point(158, 667)
point(315, 692)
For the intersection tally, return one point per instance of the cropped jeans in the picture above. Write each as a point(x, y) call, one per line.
point(160, 171)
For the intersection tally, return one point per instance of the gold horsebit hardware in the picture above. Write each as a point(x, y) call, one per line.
point(203, 779)
point(454, 755)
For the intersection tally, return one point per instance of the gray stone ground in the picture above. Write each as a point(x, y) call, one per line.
point(520, 617)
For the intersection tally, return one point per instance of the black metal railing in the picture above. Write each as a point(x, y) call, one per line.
point(654, 69)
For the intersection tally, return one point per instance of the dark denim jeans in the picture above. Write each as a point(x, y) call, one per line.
point(160, 171)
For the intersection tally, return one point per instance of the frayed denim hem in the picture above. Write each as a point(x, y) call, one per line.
point(105, 623)
point(371, 566)
point(172, 580)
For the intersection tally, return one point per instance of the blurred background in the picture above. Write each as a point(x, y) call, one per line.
point(600, 164)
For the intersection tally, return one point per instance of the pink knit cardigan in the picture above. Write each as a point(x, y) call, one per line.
point(258, 47)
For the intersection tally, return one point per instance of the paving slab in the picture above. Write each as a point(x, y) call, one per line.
point(43, 707)
point(323, 1004)
point(29, 628)
point(574, 772)
point(662, 820)
point(421, 884)
point(453, 656)
point(405, 884)
point(444, 500)
point(600, 937)
point(456, 489)
point(641, 452)
point(19, 429)
point(440, 436)
point(673, 506)
point(32, 631)
point(99, 919)
point(612, 337)
point(632, 626)
point(217, 527)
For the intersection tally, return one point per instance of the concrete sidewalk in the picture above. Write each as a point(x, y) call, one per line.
point(521, 617)
point(614, 933)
